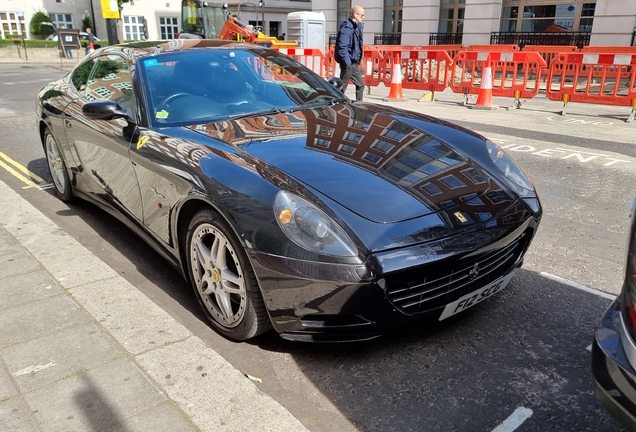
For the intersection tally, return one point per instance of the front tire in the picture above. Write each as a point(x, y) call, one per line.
point(57, 167)
point(223, 280)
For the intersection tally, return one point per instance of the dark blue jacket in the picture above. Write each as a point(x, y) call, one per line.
point(349, 43)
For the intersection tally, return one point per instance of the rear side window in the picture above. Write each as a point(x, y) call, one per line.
point(81, 74)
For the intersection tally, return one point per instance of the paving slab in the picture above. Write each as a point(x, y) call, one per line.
point(44, 360)
point(15, 263)
point(163, 417)
point(38, 318)
point(93, 400)
point(7, 388)
point(136, 322)
point(15, 416)
point(27, 287)
point(195, 377)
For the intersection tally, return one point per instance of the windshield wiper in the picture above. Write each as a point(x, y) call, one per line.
point(256, 113)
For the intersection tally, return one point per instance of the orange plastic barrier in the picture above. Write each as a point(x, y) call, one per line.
point(548, 52)
point(598, 78)
point(330, 63)
point(313, 58)
point(491, 48)
point(374, 66)
point(511, 73)
point(422, 69)
point(451, 49)
point(332, 69)
point(609, 49)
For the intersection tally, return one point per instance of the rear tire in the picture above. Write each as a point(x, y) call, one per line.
point(223, 280)
point(57, 167)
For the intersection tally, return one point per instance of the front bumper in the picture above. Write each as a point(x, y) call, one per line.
point(614, 377)
point(327, 302)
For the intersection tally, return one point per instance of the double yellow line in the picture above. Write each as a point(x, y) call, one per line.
point(22, 173)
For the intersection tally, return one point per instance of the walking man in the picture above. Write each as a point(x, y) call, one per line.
point(348, 51)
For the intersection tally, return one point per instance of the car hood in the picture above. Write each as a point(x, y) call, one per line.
point(383, 164)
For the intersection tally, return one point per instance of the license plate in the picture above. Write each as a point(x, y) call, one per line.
point(470, 300)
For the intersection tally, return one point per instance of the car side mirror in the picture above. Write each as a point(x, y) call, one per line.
point(106, 110)
point(336, 82)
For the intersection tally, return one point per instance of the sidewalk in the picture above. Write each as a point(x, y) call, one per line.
point(81, 349)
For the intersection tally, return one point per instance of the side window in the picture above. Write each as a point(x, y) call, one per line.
point(81, 74)
point(110, 81)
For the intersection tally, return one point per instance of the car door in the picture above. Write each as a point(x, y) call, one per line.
point(102, 146)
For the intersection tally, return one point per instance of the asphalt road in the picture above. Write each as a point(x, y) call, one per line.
point(521, 355)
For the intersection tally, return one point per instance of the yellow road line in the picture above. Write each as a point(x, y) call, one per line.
point(33, 176)
point(17, 175)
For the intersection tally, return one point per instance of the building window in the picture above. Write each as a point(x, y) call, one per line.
point(453, 182)
point(372, 157)
point(325, 114)
point(168, 27)
point(537, 16)
point(432, 189)
point(133, 27)
point(346, 149)
point(498, 196)
point(324, 130)
point(475, 176)
point(361, 121)
point(60, 20)
point(353, 137)
point(412, 161)
point(392, 16)
point(451, 16)
point(383, 146)
point(344, 9)
point(10, 24)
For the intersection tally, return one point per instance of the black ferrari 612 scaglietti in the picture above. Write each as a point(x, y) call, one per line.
point(284, 203)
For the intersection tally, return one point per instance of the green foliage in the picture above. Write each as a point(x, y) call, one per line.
point(120, 4)
point(37, 28)
point(86, 23)
point(37, 43)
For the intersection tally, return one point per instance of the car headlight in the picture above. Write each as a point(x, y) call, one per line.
point(311, 228)
point(517, 179)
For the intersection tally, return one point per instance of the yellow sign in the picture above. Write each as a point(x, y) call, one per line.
point(110, 9)
point(141, 142)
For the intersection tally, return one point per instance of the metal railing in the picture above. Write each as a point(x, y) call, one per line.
point(445, 38)
point(579, 39)
point(387, 38)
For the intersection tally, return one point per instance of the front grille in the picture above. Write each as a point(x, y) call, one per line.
point(421, 289)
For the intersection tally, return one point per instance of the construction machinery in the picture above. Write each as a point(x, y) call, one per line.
point(202, 19)
point(208, 20)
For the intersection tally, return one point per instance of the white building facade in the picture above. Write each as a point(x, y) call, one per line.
point(406, 22)
point(162, 19)
point(424, 22)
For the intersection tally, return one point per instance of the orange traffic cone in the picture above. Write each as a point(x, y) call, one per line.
point(395, 92)
point(484, 97)
point(91, 47)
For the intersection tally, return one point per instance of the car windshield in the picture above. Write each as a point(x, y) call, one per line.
point(211, 84)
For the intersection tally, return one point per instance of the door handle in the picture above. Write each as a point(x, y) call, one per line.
point(67, 123)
